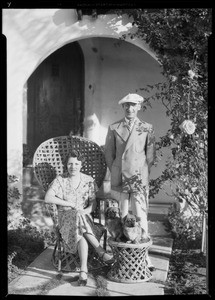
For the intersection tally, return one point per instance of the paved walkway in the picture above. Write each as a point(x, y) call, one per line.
point(40, 278)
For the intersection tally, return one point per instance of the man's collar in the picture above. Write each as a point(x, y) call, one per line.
point(132, 121)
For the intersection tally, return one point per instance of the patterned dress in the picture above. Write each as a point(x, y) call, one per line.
point(73, 225)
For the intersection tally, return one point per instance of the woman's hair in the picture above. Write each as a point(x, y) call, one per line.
point(74, 153)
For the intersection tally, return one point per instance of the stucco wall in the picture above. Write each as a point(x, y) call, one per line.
point(33, 34)
point(112, 69)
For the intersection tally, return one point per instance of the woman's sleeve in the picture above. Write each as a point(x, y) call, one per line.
point(56, 186)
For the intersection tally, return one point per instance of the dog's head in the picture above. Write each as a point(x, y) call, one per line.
point(112, 213)
point(112, 202)
point(130, 220)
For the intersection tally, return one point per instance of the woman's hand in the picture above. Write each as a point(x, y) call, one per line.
point(81, 211)
point(66, 208)
point(69, 207)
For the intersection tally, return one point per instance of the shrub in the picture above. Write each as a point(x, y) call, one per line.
point(13, 270)
point(179, 38)
point(186, 230)
point(15, 216)
point(25, 241)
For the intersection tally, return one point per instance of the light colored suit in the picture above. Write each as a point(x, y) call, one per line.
point(130, 155)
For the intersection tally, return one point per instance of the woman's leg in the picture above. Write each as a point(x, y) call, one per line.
point(95, 243)
point(83, 255)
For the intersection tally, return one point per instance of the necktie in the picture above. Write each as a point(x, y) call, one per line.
point(130, 124)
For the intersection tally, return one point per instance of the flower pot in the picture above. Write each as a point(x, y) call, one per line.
point(27, 176)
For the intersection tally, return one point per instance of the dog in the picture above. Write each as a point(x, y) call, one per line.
point(114, 223)
point(133, 231)
point(111, 203)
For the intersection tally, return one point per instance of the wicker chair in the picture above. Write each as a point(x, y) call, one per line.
point(47, 164)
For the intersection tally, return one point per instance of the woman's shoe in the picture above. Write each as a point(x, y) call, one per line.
point(151, 268)
point(82, 281)
point(106, 258)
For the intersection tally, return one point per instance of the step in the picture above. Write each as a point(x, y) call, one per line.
point(161, 246)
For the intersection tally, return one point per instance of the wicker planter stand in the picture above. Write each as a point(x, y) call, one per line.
point(130, 262)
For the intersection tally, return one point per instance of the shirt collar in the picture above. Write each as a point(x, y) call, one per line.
point(127, 121)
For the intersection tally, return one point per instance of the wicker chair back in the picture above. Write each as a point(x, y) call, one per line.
point(48, 160)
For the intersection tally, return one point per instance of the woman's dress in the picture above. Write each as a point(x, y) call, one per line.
point(72, 225)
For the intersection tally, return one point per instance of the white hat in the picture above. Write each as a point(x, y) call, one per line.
point(134, 98)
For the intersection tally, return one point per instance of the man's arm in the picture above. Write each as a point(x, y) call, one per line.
point(110, 148)
point(150, 148)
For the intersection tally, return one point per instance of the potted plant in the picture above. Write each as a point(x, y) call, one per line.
point(27, 166)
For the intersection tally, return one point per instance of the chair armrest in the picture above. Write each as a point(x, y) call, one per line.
point(98, 213)
point(53, 213)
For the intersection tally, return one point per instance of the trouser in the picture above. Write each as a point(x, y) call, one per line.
point(135, 203)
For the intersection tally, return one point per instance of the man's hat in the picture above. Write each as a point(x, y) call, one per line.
point(134, 98)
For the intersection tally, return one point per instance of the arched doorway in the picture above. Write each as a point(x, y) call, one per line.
point(55, 96)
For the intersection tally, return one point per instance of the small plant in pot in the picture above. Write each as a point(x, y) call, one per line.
point(27, 165)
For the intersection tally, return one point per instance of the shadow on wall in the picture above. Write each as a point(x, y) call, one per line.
point(65, 16)
point(92, 128)
point(117, 25)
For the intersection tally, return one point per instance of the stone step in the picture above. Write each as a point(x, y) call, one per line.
point(161, 246)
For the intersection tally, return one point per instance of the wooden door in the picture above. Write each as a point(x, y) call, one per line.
point(56, 96)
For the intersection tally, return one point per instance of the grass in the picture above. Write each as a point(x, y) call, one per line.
point(24, 245)
point(187, 265)
point(187, 271)
point(101, 283)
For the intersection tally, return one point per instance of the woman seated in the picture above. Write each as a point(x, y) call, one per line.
point(74, 193)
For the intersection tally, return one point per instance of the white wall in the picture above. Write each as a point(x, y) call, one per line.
point(33, 34)
point(113, 71)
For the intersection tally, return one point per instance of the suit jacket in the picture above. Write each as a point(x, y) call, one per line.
point(129, 156)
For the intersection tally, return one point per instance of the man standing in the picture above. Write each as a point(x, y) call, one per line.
point(130, 153)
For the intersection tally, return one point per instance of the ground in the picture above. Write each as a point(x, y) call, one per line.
point(187, 270)
point(187, 273)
